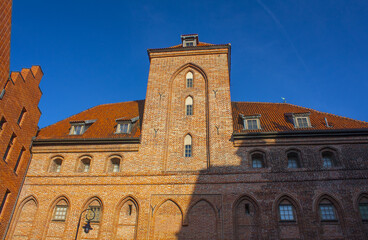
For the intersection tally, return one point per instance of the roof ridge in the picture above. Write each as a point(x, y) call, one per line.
point(88, 109)
point(294, 105)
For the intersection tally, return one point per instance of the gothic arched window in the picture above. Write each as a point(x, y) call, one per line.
point(189, 106)
point(286, 211)
point(327, 211)
point(189, 79)
point(188, 146)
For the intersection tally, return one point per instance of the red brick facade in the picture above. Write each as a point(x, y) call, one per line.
point(19, 115)
point(217, 192)
point(5, 27)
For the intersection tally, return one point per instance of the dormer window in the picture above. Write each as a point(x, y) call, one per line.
point(251, 122)
point(79, 127)
point(189, 43)
point(189, 40)
point(301, 120)
point(125, 125)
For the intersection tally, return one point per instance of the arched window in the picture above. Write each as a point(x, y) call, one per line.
point(293, 160)
point(327, 211)
point(189, 106)
point(189, 79)
point(84, 165)
point(56, 165)
point(328, 159)
point(95, 205)
point(258, 160)
point(286, 211)
point(114, 165)
point(246, 219)
point(60, 211)
point(188, 146)
point(363, 208)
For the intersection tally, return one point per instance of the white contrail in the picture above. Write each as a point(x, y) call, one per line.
point(278, 23)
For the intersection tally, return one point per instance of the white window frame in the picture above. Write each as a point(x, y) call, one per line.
point(189, 80)
point(251, 118)
point(188, 146)
point(73, 129)
point(189, 110)
point(298, 116)
point(120, 123)
point(60, 213)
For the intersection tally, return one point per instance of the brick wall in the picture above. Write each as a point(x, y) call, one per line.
point(5, 27)
point(22, 92)
point(204, 196)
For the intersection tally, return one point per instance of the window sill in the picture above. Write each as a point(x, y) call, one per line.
point(287, 222)
point(332, 222)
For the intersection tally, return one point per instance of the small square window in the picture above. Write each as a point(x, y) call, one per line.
point(257, 163)
point(189, 43)
point(327, 212)
point(286, 212)
point(301, 120)
point(123, 127)
point(251, 124)
point(77, 129)
point(292, 163)
point(60, 213)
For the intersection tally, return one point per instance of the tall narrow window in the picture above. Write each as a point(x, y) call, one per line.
point(363, 209)
point(56, 165)
point(19, 159)
point(21, 116)
point(2, 123)
point(8, 148)
point(189, 78)
point(4, 200)
point(189, 106)
point(188, 146)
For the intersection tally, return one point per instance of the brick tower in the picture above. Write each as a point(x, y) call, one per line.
point(19, 115)
point(188, 109)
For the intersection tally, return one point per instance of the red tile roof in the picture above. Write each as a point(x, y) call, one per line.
point(105, 124)
point(275, 117)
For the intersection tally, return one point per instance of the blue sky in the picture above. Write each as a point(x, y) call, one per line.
point(314, 53)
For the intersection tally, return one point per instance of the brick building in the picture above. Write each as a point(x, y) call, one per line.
point(19, 115)
point(187, 163)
